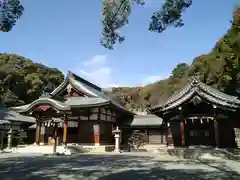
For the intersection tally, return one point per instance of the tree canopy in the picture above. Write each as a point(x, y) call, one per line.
point(28, 81)
point(115, 14)
point(10, 11)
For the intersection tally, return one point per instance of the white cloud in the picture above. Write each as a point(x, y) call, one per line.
point(97, 71)
point(100, 76)
point(115, 85)
point(96, 61)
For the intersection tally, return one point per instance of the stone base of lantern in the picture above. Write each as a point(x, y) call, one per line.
point(117, 150)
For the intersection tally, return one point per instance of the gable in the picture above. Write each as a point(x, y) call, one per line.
point(74, 86)
point(70, 91)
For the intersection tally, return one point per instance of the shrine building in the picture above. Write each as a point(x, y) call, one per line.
point(85, 114)
point(200, 115)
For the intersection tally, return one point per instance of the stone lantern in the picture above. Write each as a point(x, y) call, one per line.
point(117, 136)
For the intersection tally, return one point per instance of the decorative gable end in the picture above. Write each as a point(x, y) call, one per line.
point(70, 91)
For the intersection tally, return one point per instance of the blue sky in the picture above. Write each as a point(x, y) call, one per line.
point(66, 36)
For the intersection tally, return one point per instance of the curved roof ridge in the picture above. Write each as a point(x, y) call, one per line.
point(42, 100)
point(215, 92)
point(78, 78)
point(80, 86)
point(196, 86)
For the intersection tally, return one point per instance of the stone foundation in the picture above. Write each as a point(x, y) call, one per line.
point(48, 149)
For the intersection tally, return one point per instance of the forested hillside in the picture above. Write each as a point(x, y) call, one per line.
point(218, 68)
point(27, 80)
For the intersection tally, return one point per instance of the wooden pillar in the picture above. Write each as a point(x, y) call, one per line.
point(182, 133)
point(38, 131)
point(147, 135)
point(216, 134)
point(2, 138)
point(65, 127)
point(96, 134)
point(55, 136)
point(169, 135)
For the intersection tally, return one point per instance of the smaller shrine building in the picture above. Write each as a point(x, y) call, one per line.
point(200, 115)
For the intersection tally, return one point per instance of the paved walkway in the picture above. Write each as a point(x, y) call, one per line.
point(142, 166)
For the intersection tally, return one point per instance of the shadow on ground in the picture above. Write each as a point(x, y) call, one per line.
point(111, 167)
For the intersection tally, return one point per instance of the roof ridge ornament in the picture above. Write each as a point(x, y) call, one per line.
point(70, 74)
point(195, 80)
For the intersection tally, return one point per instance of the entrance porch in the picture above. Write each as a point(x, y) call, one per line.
point(75, 132)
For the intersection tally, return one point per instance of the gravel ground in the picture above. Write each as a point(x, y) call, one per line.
point(142, 166)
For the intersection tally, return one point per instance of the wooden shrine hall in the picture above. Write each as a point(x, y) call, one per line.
point(200, 115)
point(85, 115)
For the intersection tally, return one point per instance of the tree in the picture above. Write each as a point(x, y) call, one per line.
point(137, 140)
point(115, 14)
point(10, 11)
point(26, 83)
point(180, 70)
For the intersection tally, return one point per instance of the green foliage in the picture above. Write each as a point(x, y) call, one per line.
point(219, 68)
point(170, 14)
point(10, 11)
point(115, 14)
point(180, 70)
point(137, 140)
point(28, 79)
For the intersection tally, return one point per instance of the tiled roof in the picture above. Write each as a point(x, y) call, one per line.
point(4, 122)
point(9, 115)
point(95, 96)
point(196, 87)
point(90, 89)
point(78, 83)
point(85, 101)
point(146, 120)
point(42, 100)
